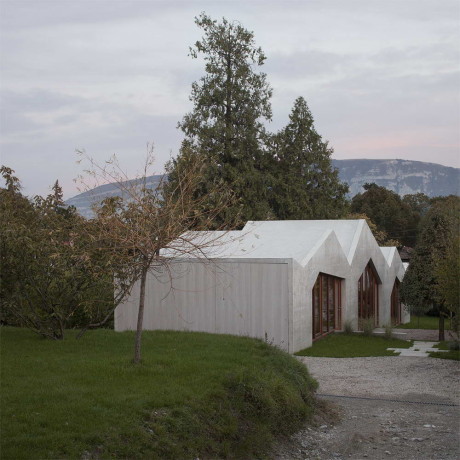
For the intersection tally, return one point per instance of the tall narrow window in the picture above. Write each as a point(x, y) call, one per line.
point(368, 294)
point(326, 304)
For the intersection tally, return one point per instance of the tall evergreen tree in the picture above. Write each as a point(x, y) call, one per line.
point(225, 126)
point(307, 186)
point(422, 287)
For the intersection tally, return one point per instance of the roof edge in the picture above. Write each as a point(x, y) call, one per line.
point(355, 241)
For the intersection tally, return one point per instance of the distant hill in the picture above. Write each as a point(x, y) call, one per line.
point(402, 176)
point(84, 201)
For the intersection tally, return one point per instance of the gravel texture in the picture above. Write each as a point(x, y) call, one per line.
point(387, 376)
point(394, 407)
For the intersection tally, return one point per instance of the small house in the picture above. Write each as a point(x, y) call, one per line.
point(288, 282)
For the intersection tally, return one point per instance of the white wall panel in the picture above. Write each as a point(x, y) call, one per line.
point(235, 297)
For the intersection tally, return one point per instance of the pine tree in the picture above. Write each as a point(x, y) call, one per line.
point(226, 124)
point(307, 186)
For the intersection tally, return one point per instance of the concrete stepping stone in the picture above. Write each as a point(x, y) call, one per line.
point(419, 348)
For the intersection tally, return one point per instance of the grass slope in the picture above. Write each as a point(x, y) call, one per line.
point(451, 354)
point(195, 395)
point(339, 345)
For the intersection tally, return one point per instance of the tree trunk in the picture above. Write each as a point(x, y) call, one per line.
point(140, 317)
point(441, 326)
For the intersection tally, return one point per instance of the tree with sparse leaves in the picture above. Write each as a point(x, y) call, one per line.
point(140, 228)
point(225, 126)
point(306, 185)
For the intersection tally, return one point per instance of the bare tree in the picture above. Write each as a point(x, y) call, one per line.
point(136, 225)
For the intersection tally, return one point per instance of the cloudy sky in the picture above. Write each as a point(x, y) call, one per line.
point(381, 77)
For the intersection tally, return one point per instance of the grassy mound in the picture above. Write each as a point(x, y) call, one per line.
point(195, 395)
point(339, 345)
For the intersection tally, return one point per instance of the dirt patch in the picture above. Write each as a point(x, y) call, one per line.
point(390, 407)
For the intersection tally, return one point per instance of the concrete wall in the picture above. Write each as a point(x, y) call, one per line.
point(368, 249)
point(235, 296)
point(264, 298)
point(328, 258)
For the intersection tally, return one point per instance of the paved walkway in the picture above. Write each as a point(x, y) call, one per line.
point(419, 349)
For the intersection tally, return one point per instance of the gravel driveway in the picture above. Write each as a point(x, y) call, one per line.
point(391, 407)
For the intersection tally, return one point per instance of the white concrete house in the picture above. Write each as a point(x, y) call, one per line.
point(289, 282)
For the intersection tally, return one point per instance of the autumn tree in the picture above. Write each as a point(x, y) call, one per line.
point(225, 127)
point(140, 228)
point(306, 185)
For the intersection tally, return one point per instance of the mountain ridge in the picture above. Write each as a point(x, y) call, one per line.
point(402, 176)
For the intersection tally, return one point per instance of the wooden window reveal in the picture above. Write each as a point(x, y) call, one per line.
point(326, 305)
point(395, 304)
point(368, 294)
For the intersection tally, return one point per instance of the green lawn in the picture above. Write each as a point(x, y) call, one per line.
point(339, 345)
point(195, 395)
point(451, 354)
point(423, 322)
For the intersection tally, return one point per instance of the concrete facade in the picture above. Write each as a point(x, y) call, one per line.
point(258, 281)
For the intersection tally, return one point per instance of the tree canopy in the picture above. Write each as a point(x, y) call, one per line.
point(283, 176)
point(389, 212)
point(428, 282)
point(306, 186)
point(225, 127)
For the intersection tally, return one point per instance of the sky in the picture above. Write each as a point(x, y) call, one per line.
point(381, 78)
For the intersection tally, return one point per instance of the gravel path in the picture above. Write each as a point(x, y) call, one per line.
point(378, 427)
point(429, 335)
point(387, 376)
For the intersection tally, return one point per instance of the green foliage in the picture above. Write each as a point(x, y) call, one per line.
point(306, 185)
point(388, 331)
point(348, 327)
point(367, 325)
point(428, 281)
point(226, 124)
point(389, 212)
point(339, 345)
point(283, 176)
point(380, 236)
point(447, 275)
point(453, 350)
point(49, 282)
point(421, 322)
point(195, 395)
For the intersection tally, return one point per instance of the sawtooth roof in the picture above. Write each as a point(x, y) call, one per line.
point(288, 239)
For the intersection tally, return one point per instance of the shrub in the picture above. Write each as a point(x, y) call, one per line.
point(348, 327)
point(367, 325)
point(388, 331)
